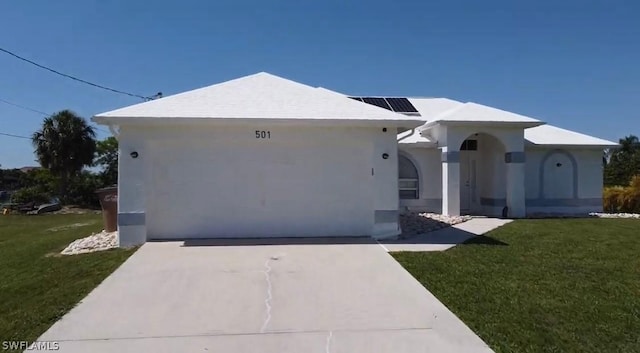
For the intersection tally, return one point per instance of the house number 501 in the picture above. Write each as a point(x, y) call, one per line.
point(263, 134)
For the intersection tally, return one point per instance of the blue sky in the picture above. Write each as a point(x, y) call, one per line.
point(572, 63)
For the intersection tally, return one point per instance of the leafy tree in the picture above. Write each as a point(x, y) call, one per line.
point(39, 185)
point(82, 189)
point(107, 157)
point(624, 162)
point(629, 144)
point(11, 179)
point(40, 178)
point(31, 194)
point(64, 145)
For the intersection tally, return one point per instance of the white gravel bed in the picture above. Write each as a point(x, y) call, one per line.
point(615, 215)
point(95, 242)
point(414, 223)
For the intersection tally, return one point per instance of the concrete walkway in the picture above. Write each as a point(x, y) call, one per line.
point(304, 295)
point(446, 238)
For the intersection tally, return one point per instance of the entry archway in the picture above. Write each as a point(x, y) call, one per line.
point(482, 175)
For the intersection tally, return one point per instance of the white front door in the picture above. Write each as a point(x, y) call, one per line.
point(467, 181)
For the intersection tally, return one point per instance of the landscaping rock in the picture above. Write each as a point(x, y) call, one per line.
point(614, 215)
point(95, 242)
point(414, 223)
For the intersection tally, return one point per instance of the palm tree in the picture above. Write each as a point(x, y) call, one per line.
point(629, 144)
point(64, 145)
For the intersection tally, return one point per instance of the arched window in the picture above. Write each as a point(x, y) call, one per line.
point(407, 178)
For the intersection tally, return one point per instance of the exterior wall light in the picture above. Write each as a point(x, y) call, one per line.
point(134, 154)
point(385, 156)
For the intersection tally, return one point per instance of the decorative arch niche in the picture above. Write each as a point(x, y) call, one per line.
point(558, 176)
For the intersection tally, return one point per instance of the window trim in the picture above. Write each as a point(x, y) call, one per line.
point(416, 189)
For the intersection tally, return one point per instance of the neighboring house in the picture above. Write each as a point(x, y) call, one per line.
point(262, 156)
point(29, 169)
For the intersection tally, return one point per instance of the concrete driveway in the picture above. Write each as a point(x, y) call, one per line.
point(284, 296)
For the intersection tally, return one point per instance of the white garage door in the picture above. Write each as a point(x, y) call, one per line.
point(204, 189)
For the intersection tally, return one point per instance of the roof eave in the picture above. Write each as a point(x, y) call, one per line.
point(573, 146)
point(521, 124)
point(111, 120)
point(418, 144)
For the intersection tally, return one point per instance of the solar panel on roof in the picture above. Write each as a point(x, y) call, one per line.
point(398, 105)
point(401, 105)
point(380, 102)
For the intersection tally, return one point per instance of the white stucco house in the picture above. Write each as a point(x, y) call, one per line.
point(263, 156)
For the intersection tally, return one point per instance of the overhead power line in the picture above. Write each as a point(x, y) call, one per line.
point(39, 111)
point(78, 79)
point(17, 136)
point(23, 107)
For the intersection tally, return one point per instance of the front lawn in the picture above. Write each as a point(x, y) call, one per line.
point(556, 285)
point(38, 286)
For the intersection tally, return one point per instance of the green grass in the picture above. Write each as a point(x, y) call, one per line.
point(563, 285)
point(37, 286)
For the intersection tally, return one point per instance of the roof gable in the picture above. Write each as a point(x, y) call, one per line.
point(555, 136)
point(258, 96)
point(429, 108)
point(474, 112)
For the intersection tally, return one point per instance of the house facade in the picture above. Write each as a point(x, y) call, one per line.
point(473, 159)
point(262, 156)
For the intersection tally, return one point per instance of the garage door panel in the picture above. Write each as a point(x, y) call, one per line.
point(257, 190)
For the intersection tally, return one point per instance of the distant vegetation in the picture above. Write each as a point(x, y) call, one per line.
point(65, 146)
point(623, 162)
point(622, 177)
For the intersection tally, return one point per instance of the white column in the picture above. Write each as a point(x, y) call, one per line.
point(450, 182)
point(515, 184)
point(385, 183)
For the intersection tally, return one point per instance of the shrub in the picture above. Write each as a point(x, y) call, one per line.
point(81, 190)
point(31, 194)
point(10, 179)
point(623, 199)
point(635, 183)
point(633, 197)
point(42, 179)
